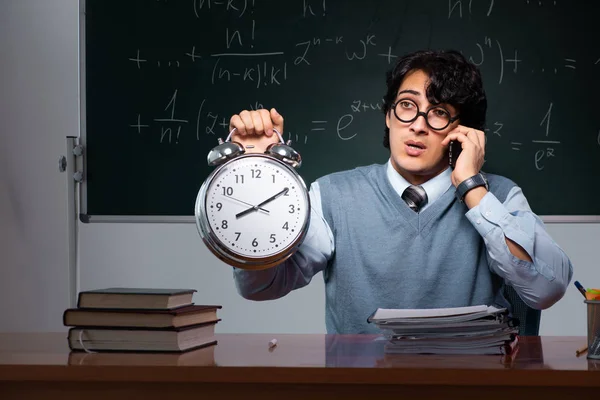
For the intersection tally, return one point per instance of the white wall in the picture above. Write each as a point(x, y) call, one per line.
point(173, 255)
point(581, 242)
point(38, 109)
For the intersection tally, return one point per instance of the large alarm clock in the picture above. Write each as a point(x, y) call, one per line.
point(253, 210)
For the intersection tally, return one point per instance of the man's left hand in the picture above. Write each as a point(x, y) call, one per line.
point(471, 157)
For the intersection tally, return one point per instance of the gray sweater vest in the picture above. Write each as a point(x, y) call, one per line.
point(388, 256)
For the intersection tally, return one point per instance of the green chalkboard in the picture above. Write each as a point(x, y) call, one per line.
point(161, 79)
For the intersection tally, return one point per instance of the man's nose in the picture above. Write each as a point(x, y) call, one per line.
point(419, 125)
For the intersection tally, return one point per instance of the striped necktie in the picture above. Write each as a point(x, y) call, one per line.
point(415, 197)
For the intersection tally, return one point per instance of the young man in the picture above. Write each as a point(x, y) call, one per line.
point(415, 232)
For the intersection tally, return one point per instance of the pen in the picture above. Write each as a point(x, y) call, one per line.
point(581, 351)
point(580, 288)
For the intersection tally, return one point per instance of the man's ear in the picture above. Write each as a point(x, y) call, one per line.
point(387, 119)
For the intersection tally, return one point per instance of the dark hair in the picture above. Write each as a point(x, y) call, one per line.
point(453, 80)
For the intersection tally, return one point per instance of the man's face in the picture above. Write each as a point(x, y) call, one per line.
point(416, 150)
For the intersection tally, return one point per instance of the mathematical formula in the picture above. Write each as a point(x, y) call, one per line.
point(237, 63)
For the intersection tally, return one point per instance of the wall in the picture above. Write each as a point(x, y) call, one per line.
point(39, 108)
point(172, 255)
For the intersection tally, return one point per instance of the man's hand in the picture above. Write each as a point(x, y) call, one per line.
point(471, 157)
point(254, 129)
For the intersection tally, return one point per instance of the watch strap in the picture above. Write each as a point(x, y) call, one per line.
point(470, 183)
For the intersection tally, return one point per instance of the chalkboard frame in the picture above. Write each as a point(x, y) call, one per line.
point(82, 194)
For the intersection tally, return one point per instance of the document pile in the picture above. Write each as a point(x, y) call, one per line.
point(461, 330)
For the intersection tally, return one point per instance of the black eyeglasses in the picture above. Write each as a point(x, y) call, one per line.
point(437, 118)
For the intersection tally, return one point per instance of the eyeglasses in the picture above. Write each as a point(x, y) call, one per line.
point(437, 118)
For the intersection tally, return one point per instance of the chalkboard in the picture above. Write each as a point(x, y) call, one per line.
point(161, 79)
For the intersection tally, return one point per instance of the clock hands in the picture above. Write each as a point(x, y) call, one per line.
point(257, 207)
point(248, 204)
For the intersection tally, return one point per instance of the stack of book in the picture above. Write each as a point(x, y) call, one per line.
point(460, 330)
point(140, 320)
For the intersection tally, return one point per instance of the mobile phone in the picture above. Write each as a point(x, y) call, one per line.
point(454, 150)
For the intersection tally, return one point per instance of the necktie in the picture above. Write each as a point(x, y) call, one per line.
point(415, 197)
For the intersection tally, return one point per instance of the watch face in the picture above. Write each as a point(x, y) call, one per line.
point(256, 207)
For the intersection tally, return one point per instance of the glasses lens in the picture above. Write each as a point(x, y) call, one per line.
point(438, 118)
point(406, 110)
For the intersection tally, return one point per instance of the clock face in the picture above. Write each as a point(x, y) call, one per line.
point(256, 207)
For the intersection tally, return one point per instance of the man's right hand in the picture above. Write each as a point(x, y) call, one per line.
point(254, 129)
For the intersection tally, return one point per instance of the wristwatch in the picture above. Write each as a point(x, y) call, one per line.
point(470, 183)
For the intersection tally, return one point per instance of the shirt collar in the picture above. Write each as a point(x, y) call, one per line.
point(434, 187)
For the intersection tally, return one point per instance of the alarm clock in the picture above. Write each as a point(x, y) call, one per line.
point(253, 210)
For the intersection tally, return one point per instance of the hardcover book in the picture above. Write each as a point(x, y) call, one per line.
point(139, 298)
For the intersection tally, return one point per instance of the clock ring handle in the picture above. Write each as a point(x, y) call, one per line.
point(282, 150)
point(274, 129)
point(228, 150)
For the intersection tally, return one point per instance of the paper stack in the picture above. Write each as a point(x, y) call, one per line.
point(461, 330)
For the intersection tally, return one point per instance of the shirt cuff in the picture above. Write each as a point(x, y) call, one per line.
point(490, 213)
point(482, 216)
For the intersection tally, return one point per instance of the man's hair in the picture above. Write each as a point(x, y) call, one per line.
point(452, 80)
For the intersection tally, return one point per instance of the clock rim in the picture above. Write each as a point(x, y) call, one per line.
point(220, 249)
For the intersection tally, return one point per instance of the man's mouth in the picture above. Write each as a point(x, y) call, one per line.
point(415, 145)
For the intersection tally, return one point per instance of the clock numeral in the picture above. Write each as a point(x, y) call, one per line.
point(273, 178)
point(285, 226)
point(255, 173)
point(292, 209)
point(239, 179)
point(238, 235)
point(254, 243)
point(227, 191)
point(219, 206)
point(224, 224)
point(272, 240)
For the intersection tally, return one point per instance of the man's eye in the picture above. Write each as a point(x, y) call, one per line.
point(406, 104)
point(440, 112)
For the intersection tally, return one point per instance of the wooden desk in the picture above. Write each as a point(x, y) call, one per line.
point(39, 366)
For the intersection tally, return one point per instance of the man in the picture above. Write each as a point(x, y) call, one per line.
point(415, 232)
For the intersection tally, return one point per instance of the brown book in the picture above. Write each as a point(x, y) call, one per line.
point(202, 357)
point(142, 339)
point(143, 318)
point(138, 298)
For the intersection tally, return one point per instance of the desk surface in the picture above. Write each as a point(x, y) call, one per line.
point(314, 358)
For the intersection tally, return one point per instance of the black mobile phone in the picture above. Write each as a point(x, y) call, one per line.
point(454, 150)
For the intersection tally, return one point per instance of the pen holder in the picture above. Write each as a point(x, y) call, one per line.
point(593, 325)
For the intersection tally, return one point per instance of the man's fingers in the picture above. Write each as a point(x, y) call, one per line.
point(277, 120)
point(473, 137)
point(248, 122)
point(266, 122)
point(477, 137)
point(258, 123)
point(464, 135)
point(237, 123)
point(454, 136)
point(482, 139)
